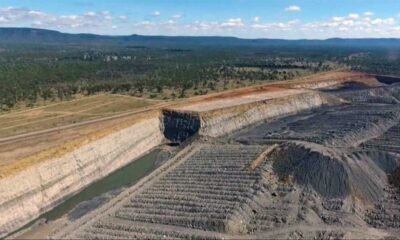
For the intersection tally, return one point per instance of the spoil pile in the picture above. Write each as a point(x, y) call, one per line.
point(305, 163)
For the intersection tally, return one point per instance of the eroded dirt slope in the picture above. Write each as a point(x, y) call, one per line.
point(329, 172)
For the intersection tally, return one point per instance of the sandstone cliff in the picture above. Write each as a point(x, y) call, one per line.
point(47, 181)
point(29, 193)
point(218, 123)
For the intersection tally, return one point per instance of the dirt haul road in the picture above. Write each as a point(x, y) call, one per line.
point(77, 158)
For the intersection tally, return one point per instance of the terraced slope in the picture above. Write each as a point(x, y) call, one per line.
point(389, 141)
point(30, 192)
point(340, 126)
point(208, 190)
point(212, 192)
point(305, 164)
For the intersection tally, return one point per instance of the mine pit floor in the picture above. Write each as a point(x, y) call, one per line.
point(320, 174)
point(92, 197)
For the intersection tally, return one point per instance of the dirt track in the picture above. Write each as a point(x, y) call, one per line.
point(188, 103)
point(316, 174)
point(325, 165)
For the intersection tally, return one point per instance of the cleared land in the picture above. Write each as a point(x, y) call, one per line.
point(273, 90)
point(37, 140)
point(329, 173)
point(64, 113)
point(322, 173)
point(17, 155)
point(45, 141)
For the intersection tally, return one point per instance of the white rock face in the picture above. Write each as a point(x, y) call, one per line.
point(318, 85)
point(30, 193)
point(218, 123)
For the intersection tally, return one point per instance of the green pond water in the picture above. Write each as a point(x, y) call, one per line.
point(124, 177)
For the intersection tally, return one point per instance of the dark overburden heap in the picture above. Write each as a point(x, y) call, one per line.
point(330, 173)
point(335, 126)
point(204, 193)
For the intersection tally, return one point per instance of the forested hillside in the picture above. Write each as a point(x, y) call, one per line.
point(42, 65)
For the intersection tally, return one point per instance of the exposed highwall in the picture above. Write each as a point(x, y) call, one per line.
point(178, 126)
point(223, 121)
point(30, 193)
point(387, 79)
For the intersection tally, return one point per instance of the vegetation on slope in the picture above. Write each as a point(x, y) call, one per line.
point(32, 74)
point(40, 65)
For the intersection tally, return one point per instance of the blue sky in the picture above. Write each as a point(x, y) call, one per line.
point(243, 18)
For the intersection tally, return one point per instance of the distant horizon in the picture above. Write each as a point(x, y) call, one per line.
point(247, 19)
point(206, 36)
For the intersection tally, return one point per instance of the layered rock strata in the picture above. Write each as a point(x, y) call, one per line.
point(28, 194)
point(221, 121)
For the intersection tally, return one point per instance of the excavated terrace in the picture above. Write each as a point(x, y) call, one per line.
point(309, 159)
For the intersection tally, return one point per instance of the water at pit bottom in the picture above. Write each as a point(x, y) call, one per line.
point(125, 177)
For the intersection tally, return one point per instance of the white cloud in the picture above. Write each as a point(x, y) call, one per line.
point(294, 21)
point(3, 19)
point(203, 26)
point(368, 14)
point(145, 24)
point(276, 26)
point(12, 16)
point(354, 25)
point(383, 22)
point(364, 24)
point(156, 13)
point(123, 19)
point(107, 15)
point(233, 22)
point(176, 16)
point(293, 8)
point(36, 13)
point(354, 16)
point(171, 22)
point(92, 14)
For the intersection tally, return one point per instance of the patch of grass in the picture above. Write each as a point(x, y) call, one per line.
point(69, 112)
point(13, 167)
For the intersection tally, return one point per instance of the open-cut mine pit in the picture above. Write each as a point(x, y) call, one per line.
point(315, 158)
